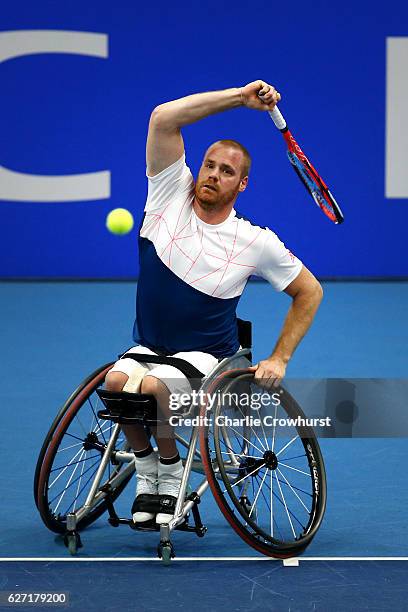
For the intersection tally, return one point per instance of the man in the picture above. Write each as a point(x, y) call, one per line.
point(196, 255)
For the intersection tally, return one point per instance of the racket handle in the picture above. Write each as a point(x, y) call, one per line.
point(278, 119)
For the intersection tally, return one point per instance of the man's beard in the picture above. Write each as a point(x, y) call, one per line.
point(213, 200)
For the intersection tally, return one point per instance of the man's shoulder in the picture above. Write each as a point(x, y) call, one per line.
point(173, 172)
point(174, 184)
point(243, 219)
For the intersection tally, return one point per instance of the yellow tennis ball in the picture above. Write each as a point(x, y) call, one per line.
point(119, 221)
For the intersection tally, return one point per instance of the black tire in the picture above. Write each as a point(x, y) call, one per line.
point(270, 485)
point(76, 427)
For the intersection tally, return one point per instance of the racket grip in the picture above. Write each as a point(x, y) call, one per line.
point(277, 118)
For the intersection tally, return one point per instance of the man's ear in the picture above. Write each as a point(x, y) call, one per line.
point(243, 184)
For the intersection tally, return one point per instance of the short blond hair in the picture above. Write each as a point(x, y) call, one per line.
point(246, 166)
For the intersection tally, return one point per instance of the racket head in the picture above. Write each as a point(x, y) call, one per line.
point(313, 181)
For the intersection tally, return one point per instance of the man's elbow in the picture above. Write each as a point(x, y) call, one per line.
point(157, 114)
point(317, 292)
point(160, 117)
point(312, 293)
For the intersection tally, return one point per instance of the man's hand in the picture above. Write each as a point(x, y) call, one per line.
point(269, 372)
point(260, 96)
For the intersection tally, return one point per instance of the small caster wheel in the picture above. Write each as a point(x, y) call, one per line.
point(166, 552)
point(72, 541)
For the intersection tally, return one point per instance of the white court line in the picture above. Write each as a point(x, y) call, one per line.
point(264, 558)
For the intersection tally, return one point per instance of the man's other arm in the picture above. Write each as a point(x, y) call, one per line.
point(306, 293)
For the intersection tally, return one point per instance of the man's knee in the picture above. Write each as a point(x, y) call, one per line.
point(115, 381)
point(153, 386)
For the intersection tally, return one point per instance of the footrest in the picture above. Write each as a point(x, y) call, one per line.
point(128, 408)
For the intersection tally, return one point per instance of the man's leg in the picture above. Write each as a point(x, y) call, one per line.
point(145, 505)
point(164, 433)
point(135, 434)
point(170, 468)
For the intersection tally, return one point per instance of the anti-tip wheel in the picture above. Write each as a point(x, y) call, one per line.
point(166, 553)
point(72, 541)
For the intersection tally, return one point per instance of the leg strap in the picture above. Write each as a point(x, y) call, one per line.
point(192, 373)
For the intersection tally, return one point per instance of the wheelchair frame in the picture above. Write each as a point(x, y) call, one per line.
point(93, 507)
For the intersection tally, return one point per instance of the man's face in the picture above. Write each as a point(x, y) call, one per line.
point(219, 180)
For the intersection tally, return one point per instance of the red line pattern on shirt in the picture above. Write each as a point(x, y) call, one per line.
point(238, 282)
point(181, 251)
point(177, 235)
point(193, 264)
point(229, 259)
point(175, 232)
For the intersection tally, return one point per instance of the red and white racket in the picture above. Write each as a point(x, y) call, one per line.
point(306, 172)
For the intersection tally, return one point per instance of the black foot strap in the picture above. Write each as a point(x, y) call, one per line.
point(146, 503)
point(167, 504)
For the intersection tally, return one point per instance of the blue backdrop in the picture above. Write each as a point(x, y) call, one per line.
point(67, 113)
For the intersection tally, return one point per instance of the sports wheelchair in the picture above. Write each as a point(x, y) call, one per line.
point(261, 461)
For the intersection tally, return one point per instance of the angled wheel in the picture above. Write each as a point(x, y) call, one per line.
point(264, 465)
point(71, 455)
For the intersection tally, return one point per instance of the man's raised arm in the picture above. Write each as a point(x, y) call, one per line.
point(164, 141)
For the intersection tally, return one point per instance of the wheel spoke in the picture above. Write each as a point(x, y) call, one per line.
point(296, 488)
point(80, 452)
point(269, 509)
point(277, 498)
point(257, 495)
point(286, 445)
point(240, 454)
point(286, 508)
point(274, 430)
point(81, 425)
point(63, 467)
point(96, 419)
point(61, 450)
point(66, 487)
point(290, 467)
point(271, 505)
point(79, 485)
point(68, 483)
point(247, 475)
point(296, 457)
point(246, 440)
point(293, 490)
point(253, 430)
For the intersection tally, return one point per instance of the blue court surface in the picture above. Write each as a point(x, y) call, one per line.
point(55, 334)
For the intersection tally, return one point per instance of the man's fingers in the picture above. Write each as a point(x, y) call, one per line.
point(270, 99)
point(266, 89)
point(266, 93)
point(265, 376)
point(266, 379)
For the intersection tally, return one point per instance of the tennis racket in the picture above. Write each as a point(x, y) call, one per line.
point(306, 172)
